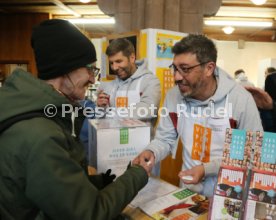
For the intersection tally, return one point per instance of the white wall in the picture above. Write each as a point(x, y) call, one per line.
point(98, 46)
point(230, 58)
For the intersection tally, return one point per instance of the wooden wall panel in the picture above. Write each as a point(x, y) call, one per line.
point(15, 37)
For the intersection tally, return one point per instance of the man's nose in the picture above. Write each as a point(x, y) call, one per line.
point(91, 78)
point(177, 76)
point(115, 67)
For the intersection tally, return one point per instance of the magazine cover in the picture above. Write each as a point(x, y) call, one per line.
point(237, 148)
point(263, 187)
point(230, 182)
point(226, 208)
point(259, 210)
point(261, 200)
point(265, 152)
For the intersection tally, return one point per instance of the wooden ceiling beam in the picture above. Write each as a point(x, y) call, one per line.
point(66, 8)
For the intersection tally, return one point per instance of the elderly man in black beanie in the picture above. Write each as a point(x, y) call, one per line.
point(42, 162)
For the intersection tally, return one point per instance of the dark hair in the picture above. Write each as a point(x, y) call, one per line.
point(237, 72)
point(118, 45)
point(204, 48)
point(270, 70)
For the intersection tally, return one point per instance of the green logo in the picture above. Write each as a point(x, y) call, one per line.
point(124, 136)
point(183, 194)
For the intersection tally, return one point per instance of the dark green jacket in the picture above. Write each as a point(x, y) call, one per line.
point(41, 169)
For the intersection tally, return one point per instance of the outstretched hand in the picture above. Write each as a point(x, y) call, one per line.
point(145, 159)
point(262, 98)
point(108, 177)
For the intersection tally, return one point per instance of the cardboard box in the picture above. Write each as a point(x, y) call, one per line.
point(115, 142)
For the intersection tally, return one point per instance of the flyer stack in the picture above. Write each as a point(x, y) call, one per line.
point(231, 185)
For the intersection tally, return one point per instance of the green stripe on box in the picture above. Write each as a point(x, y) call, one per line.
point(124, 136)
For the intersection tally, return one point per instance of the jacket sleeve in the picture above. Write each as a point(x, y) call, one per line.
point(247, 115)
point(166, 137)
point(59, 187)
point(150, 97)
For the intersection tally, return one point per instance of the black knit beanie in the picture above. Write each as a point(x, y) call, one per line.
point(60, 48)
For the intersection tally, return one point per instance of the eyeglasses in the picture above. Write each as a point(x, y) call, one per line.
point(183, 70)
point(92, 69)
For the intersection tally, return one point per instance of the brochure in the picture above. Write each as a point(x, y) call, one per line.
point(226, 208)
point(265, 152)
point(231, 182)
point(259, 210)
point(182, 204)
point(261, 201)
point(231, 187)
point(263, 187)
point(237, 148)
point(153, 190)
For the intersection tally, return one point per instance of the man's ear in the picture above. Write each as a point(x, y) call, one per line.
point(210, 68)
point(132, 58)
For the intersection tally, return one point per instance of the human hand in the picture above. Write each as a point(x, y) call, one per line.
point(108, 177)
point(262, 98)
point(103, 99)
point(145, 159)
point(197, 173)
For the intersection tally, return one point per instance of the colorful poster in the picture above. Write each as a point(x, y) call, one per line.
point(230, 183)
point(164, 47)
point(164, 44)
point(265, 152)
point(237, 148)
point(237, 144)
point(269, 148)
point(263, 187)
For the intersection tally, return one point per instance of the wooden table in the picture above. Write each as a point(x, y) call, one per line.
point(136, 214)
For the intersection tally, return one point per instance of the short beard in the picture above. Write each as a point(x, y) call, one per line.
point(194, 89)
point(186, 94)
point(128, 71)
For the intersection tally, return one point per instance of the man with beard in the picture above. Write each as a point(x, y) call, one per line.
point(135, 84)
point(204, 102)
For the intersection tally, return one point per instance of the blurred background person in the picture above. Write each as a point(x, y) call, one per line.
point(269, 70)
point(241, 78)
point(267, 116)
